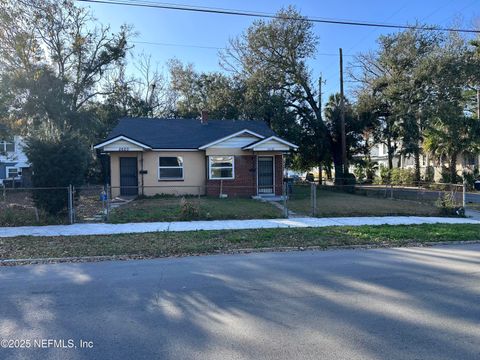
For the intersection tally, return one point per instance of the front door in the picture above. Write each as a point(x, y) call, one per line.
point(265, 175)
point(128, 176)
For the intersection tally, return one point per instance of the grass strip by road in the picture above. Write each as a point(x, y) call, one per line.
point(204, 242)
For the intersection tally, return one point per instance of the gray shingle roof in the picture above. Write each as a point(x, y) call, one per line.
point(183, 133)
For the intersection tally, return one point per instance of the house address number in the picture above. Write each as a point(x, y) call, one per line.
point(123, 148)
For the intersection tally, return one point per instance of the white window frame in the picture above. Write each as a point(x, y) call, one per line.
point(19, 172)
point(3, 146)
point(171, 167)
point(210, 177)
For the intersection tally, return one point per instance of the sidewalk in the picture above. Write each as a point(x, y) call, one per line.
point(109, 229)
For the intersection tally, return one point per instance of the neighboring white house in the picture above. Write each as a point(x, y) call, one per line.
point(465, 162)
point(13, 161)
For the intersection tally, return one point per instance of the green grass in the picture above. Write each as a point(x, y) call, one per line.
point(168, 208)
point(336, 203)
point(205, 242)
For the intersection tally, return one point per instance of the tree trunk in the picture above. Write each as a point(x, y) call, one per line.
point(320, 177)
point(417, 165)
point(453, 168)
point(390, 153)
point(328, 170)
point(339, 176)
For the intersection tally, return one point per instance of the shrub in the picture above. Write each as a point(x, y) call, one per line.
point(359, 172)
point(188, 210)
point(447, 177)
point(402, 176)
point(470, 179)
point(349, 182)
point(448, 205)
point(384, 175)
point(56, 163)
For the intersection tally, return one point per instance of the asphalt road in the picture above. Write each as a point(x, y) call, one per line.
point(415, 303)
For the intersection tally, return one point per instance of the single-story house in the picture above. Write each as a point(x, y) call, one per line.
point(151, 156)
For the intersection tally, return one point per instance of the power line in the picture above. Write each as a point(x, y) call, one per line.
point(222, 11)
point(208, 47)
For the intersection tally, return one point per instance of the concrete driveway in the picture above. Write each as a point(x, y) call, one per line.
point(410, 303)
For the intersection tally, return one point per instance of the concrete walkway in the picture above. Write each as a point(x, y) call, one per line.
point(130, 228)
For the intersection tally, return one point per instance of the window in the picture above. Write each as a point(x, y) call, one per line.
point(469, 159)
point(221, 167)
point(170, 168)
point(13, 172)
point(7, 146)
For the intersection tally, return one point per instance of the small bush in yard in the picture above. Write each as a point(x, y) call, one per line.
point(188, 210)
point(56, 163)
point(448, 205)
point(401, 176)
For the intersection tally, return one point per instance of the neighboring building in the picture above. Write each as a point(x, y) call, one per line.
point(14, 166)
point(189, 156)
point(466, 162)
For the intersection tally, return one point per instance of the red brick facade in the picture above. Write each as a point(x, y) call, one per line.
point(245, 182)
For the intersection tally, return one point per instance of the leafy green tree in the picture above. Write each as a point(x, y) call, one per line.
point(398, 76)
point(195, 91)
point(56, 163)
point(448, 138)
point(273, 55)
point(54, 57)
point(354, 127)
point(452, 131)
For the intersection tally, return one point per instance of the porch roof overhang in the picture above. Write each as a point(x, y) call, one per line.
point(272, 143)
point(122, 143)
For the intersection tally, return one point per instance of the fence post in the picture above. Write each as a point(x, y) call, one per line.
point(108, 197)
point(313, 196)
point(391, 191)
point(74, 213)
point(285, 195)
point(70, 203)
point(464, 194)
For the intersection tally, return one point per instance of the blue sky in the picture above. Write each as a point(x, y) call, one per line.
point(212, 30)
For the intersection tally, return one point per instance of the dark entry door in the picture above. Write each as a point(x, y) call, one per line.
point(265, 175)
point(128, 176)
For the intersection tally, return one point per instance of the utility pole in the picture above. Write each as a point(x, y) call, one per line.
point(478, 103)
point(320, 94)
point(342, 119)
point(320, 179)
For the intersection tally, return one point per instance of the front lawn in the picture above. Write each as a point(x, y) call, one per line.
point(331, 203)
point(171, 208)
point(17, 208)
point(204, 242)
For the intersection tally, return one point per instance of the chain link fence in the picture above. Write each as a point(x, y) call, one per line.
point(18, 206)
point(422, 199)
point(220, 201)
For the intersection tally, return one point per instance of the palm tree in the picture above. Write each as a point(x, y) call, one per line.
point(451, 138)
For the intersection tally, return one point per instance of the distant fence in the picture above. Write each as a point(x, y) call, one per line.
point(449, 199)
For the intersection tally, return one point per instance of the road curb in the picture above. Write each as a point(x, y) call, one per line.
point(85, 259)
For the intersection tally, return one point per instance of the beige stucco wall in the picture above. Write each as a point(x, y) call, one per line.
point(194, 170)
point(194, 173)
